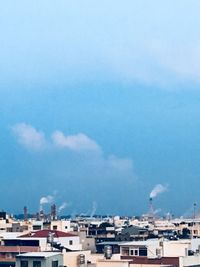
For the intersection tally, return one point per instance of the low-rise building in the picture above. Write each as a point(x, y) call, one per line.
point(39, 259)
point(62, 239)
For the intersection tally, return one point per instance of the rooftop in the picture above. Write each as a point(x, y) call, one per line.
point(44, 254)
point(45, 234)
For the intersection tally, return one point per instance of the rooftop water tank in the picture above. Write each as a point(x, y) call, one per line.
point(108, 252)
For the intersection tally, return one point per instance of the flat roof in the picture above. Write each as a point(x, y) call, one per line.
point(7, 235)
point(115, 261)
point(149, 242)
point(44, 254)
point(110, 243)
point(141, 243)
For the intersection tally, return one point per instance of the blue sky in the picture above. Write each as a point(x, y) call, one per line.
point(99, 102)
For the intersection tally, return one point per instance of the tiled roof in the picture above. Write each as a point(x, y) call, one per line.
point(45, 234)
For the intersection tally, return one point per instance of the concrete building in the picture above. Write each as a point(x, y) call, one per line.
point(62, 239)
point(39, 259)
point(61, 225)
point(156, 248)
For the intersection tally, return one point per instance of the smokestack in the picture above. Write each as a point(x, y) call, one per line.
point(41, 215)
point(151, 212)
point(38, 216)
point(25, 213)
point(53, 212)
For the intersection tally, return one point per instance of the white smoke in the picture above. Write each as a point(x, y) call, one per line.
point(94, 208)
point(46, 200)
point(168, 215)
point(158, 189)
point(156, 211)
point(62, 207)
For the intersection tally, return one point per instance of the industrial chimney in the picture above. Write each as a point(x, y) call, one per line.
point(151, 211)
point(25, 213)
point(53, 212)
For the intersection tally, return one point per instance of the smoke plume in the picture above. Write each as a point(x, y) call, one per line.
point(156, 211)
point(46, 200)
point(62, 207)
point(158, 189)
point(94, 208)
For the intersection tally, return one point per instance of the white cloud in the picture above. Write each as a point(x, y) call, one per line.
point(120, 164)
point(28, 136)
point(156, 61)
point(183, 61)
point(78, 142)
point(82, 145)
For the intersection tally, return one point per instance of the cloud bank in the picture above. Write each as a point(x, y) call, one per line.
point(80, 143)
point(29, 137)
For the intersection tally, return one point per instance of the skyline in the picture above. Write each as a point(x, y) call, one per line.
point(99, 103)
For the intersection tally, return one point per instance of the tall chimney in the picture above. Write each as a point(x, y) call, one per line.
point(25, 213)
point(151, 212)
point(53, 212)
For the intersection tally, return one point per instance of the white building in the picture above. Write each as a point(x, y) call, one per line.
point(61, 225)
point(67, 240)
point(39, 259)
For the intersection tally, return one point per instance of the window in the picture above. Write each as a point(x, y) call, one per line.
point(133, 252)
point(54, 227)
point(36, 263)
point(9, 255)
point(143, 251)
point(136, 252)
point(37, 227)
point(54, 264)
point(125, 251)
point(71, 242)
point(23, 263)
point(66, 227)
